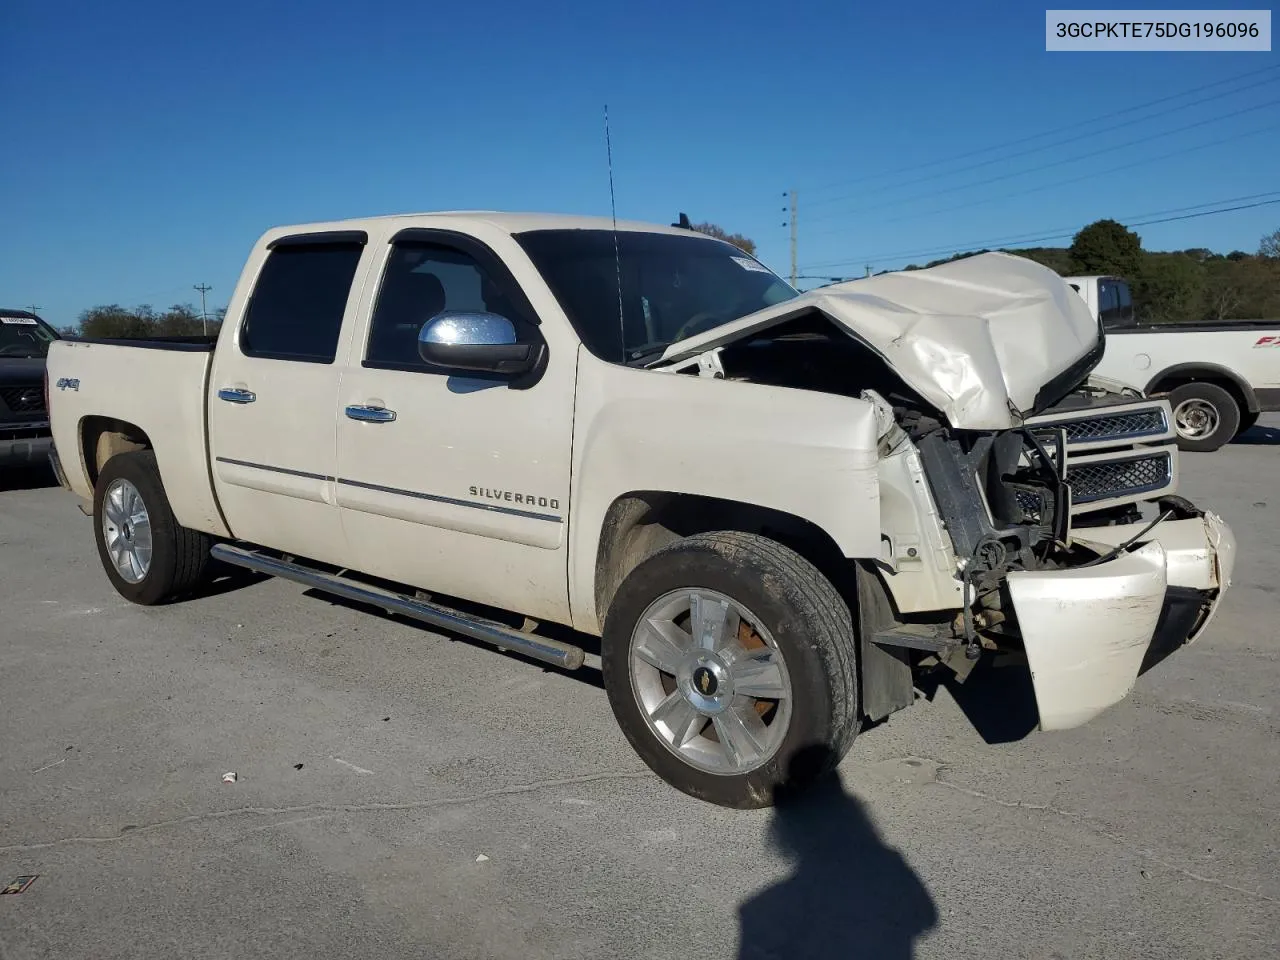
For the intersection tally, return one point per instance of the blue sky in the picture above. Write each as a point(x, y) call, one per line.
point(147, 144)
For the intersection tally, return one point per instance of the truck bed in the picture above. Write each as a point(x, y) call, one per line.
point(1227, 326)
point(158, 386)
point(194, 344)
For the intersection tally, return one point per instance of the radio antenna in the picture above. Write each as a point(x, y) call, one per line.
point(617, 256)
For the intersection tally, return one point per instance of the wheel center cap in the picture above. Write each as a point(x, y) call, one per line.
point(127, 530)
point(705, 681)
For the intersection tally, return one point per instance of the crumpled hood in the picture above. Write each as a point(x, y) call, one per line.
point(978, 338)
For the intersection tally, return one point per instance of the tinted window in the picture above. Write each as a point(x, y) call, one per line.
point(24, 336)
point(1110, 312)
point(1124, 313)
point(420, 281)
point(671, 286)
point(297, 305)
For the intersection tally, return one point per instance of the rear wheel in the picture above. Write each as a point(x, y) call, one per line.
point(149, 558)
point(1204, 415)
point(729, 664)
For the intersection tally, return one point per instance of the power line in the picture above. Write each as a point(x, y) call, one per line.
point(1056, 163)
point(791, 222)
point(1047, 133)
point(1004, 157)
point(1031, 236)
point(1026, 236)
point(1055, 184)
point(1066, 232)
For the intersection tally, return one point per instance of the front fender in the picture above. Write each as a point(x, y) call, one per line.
point(811, 455)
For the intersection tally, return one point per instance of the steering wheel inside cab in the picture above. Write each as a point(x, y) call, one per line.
point(700, 322)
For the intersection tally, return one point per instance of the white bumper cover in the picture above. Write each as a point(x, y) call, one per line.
point(1086, 630)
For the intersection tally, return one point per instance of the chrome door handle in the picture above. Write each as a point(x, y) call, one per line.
point(367, 414)
point(236, 395)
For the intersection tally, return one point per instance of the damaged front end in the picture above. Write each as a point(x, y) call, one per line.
point(1093, 592)
point(1025, 507)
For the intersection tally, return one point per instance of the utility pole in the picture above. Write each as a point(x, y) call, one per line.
point(868, 269)
point(34, 307)
point(204, 317)
point(793, 238)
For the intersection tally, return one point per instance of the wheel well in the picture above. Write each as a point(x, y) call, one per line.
point(102, 438)
point(639, 524)
point(1168, 381)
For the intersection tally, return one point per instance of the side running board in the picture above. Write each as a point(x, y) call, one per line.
point(477, 628)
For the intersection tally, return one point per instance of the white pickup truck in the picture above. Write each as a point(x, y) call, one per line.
point(773, 509)
point(1218, 376)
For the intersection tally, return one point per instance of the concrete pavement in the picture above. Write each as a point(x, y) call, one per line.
point(402, 794)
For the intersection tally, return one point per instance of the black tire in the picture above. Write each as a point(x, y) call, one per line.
point(1224, 407)
point(812, 628)
point(1247, 421)
point(179, 557)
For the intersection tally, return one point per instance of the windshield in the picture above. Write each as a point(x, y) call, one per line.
point(24, 337)
point(672, 286)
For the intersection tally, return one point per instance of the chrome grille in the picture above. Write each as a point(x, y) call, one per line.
point(1132, 424)
point(1118, 478)
point(29, 399)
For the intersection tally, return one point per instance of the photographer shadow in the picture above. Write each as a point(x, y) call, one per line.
point(849, 895)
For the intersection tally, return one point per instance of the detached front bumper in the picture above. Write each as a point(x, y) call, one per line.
point(1089, 631)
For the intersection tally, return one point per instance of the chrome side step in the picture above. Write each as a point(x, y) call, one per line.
point(477, 628)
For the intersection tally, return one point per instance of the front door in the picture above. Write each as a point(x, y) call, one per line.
point(453, 482)
point(273, 397)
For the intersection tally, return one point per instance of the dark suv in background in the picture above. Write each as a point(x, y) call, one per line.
point(25, 436)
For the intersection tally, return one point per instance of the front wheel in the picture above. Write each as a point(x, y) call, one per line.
point(149, 558)
point(1204, 415)
point(729, 662)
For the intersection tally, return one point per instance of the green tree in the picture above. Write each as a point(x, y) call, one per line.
point(737, 239)
point(1169, 288)
point(114, 322)
point(1055, 258)
point(180, 320)
point(1258, 280)
point(1270, 245)
point(1106, 246)
point(1224, 291)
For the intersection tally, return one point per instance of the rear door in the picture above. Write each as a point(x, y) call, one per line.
point(273, 395)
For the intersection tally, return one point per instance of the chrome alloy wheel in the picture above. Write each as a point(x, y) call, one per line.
point(710, 681)
point(1196, 419)
point(126, 530)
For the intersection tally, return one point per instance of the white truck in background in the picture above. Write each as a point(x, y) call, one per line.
point(1218, 377)
point(774, 509)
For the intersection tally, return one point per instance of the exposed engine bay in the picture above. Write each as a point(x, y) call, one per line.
point(1007, 498)
point(1025, 506)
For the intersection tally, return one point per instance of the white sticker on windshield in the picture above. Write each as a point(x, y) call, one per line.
point(746, 263)
point(28, 322)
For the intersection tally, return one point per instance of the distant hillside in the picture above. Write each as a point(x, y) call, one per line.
point(1182, 286)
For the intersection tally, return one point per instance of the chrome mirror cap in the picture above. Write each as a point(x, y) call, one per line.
point(457, 328)
point(480, 342)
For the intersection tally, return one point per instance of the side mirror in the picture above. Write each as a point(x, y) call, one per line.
point(485, 342)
